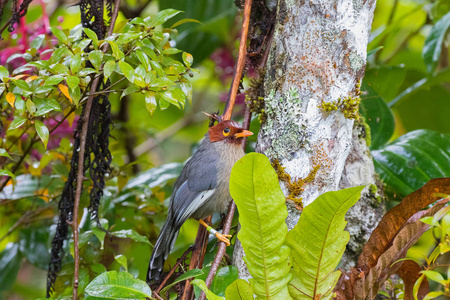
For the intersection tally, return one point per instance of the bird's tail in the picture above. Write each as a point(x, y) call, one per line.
point(163, 245)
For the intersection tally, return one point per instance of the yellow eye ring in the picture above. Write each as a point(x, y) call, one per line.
point(226, 131)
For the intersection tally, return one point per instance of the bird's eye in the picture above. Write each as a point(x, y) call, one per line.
point(226, 131)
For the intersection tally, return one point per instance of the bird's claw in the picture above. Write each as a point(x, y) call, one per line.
point(223, 238)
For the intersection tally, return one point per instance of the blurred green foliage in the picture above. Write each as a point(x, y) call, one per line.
point(406, 89)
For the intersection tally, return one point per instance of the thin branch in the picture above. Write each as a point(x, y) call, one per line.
point(240, 63)
point(80, 171)
point(179, 261)
point(197, 257)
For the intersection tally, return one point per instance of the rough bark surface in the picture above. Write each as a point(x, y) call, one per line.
point(318, 55)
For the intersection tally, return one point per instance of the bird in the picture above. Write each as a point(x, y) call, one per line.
point(201, 189)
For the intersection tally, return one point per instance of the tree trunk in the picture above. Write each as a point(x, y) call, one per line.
point(310, 118)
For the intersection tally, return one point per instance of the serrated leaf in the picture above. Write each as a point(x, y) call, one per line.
point(72, 81)
point(109, 68)
point(16, 123)
point(59, 34)
point(188, 59)
point(162, 17)
point(11, 98)
point(256, 191)
point(433, 44)
point(127, 70)
point(53, 80)
point(410, 161)
point(113, 285)
point(42, 131)
point(75, 63)
point(317, 243)
point(91, 35)
point(150, 103)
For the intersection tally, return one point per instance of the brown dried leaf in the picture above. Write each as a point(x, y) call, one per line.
point(364, 281)
point(393, 220)
point(409, 271)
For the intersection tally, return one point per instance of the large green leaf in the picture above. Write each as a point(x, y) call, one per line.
point(410, 161)
point(433, 44)
point(217, 17)
point(378, 116)
point(262, 212)
point(113, 285)
point(239, 290)
point(317, 243)
point(10, 259)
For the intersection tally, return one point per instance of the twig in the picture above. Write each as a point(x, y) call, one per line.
point(80, 171)
point(197, 257)
point(240, 63)
point(179, 261)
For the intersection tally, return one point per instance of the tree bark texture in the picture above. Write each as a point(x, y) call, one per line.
point(318, 55)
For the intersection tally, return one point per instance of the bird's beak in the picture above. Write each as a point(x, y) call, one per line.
point(244, 133)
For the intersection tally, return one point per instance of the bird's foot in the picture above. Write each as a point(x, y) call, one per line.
point(223, 238)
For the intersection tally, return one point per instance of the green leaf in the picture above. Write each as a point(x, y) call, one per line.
point(163, 16)
point(109, 68)
point(86, 71)
point(433, 44)
point(127, 70)
point(117, 53)
point(22, 85)
point(36, 43)
point(168, 96)
point(378, 116)
point(417, 286)
point(58, 54)
point(170, 51)
point(46, 105)
point(7, 173)
point(372, 52)
point(188, 59)
point(16, 123)
point(92, 35)
point(130, 90)
point(60, 35)
point(98, 268)
point(113, 285)
point(185, 20)
point(60, 69)
point(160, 82)
point(10, 260)
point(262, 212)
point(131, 234)
point(239, 290)
point(224, 277)
point(150, 103)
point(122, 260)
point(143, 59)
point(72, 81)
point(202, 285)
point(3, 72)
point(96, 57)
point(189, 274)
point(410, 161)
point(317, 243)
point(163, 104)
point(4, 153)
point(75, 63)
point(157, 67)
point(42, 131)
point(53, 80)
point(31, 107)
point(435, 276)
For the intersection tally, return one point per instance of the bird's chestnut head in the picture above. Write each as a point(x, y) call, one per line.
point(228, 131)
